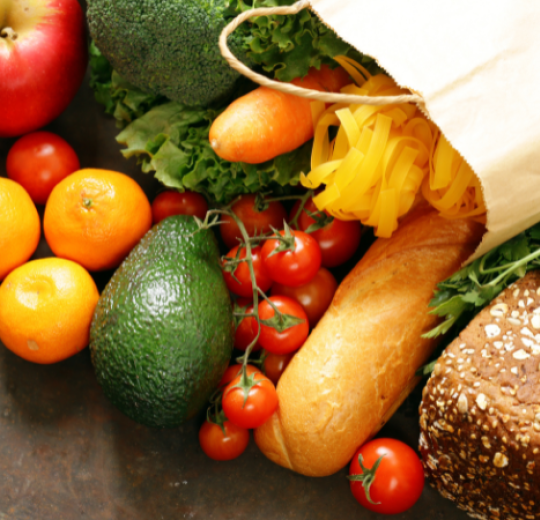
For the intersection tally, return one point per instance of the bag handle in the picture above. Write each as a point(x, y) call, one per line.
point(288, 88)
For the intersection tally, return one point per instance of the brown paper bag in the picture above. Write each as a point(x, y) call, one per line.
point(474, 69)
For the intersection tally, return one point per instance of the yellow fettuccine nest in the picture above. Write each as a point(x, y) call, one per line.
point(381, 157)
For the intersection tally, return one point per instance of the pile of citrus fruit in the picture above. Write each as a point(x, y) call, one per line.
point(92, 220)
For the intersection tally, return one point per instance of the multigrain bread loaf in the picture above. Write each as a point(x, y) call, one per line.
point(359, 363)
point(480, 412)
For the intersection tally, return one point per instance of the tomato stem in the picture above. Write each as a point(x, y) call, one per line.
point(367, 477)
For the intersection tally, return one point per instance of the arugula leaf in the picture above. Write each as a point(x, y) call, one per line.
point(467, 292)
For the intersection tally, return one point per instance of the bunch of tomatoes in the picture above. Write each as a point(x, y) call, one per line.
point(276, 270)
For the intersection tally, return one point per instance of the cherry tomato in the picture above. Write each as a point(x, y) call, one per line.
point(39, 161)
point(338, 240)
point(296, 267)
point(173, 202)
point(244, 287)
point(315, 296)
point(275, 365)
point(255, 222)
point(289, 339)
point(234, 371)
point(245, 332)
point(261, 402)
point(399, 478)
point(219, 446)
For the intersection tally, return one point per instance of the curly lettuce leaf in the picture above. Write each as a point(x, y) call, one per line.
point(172, 140)
point(285, 47)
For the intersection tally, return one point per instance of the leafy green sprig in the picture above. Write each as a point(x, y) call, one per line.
point(459, 298)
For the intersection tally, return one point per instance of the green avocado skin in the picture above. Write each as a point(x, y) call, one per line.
point(162, 332)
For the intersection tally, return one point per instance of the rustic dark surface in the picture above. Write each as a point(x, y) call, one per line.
point(67, 454)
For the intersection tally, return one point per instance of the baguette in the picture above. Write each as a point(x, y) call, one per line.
point(359, 363)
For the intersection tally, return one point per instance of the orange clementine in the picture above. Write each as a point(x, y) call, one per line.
point(95, 218)
point(46, 307)
point(19, 226)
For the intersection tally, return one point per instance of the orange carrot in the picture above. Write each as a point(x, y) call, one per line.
point(266, 123)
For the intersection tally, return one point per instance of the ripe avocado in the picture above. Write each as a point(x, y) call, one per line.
point(162, 332)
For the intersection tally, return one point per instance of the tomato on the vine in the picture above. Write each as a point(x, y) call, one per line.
point(242, 286)
point(296, 266)
point(314, 296)
point(392, 475)
point(255, 222)
point(338, 240)
point(39, 161)
point(234, 371)
point(172, 202)
point(260, 404)
point(223, 446)
point(274, 365)
point(286, 338)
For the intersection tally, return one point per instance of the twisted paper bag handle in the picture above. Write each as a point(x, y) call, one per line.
point(288, 88)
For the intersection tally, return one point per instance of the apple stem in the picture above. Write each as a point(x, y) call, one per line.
point(8, 32)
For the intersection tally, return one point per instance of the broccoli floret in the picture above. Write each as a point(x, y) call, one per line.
point(167, 47)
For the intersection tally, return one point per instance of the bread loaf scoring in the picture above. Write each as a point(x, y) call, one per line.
point(359, 363)
point(480, 412)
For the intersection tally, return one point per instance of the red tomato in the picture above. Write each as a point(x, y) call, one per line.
point(399, 478)
point(39, 161)
point(244, 287)
point(234, 371)
point(172, 202)
point(289, 339)
point(315, 296)
point(296, 267)
point(338, 240)
point(245, 332)
point(255, 222)
point(275, 365)
point(261, 402)
point(219, 446)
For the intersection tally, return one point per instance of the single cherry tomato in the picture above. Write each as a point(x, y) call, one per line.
point(292, 267)
point(255, 222)
point(223, 446)
point(254, 411)
point(172, 202)
point(397, 481)
point(39, 161)
point(288, 339)
point(274, 365)
point(245, 332)
point(234, 371)
point(244, 287)
point(338, 240)
point(315, 296)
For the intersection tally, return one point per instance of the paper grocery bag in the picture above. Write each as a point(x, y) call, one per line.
point(476, 64)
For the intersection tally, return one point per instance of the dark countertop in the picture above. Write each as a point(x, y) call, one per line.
point(67, 454)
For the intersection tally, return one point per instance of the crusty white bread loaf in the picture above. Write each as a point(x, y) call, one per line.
point(359, 363)
point(480, 412)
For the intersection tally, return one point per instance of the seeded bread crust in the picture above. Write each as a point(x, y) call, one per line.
point(480, 412)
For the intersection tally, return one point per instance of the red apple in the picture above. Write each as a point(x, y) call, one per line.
point(43, 58)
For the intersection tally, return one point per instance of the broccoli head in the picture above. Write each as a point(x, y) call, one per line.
point(167, 47)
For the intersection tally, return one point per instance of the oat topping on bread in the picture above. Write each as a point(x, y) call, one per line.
point(480, 412)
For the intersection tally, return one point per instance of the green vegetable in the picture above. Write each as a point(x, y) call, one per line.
point(162, 332)
point(459, 298)
point(167, 47)
point(170, 47)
